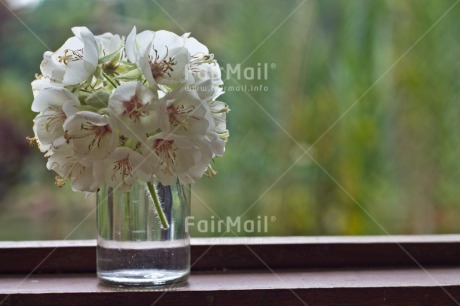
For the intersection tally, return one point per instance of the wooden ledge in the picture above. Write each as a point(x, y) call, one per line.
point(434, 286)
point(250, 253)
point(398, 270)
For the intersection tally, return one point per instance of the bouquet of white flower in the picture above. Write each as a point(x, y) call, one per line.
point(113, 110)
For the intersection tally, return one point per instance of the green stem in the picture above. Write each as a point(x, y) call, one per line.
point(109, 80)
point(156, 201)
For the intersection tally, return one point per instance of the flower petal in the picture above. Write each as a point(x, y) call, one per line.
point(130, 46)
point(90, 135)
point(52, 97)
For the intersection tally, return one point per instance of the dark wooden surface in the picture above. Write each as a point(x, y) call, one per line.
point(303, 287)
point(400, 270)
point(250, 253)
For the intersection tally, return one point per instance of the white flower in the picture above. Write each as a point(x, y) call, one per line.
point(75, 61)
point(110, 52)
point(219, 112)
point(187, 113)
point(206, 80)
point(54, 105)
point(217, 144)
point(42, 83)
point(204, 71)
point(123, 168)
point(90, 135)
point(197, 50)
point(41, 146)
point(178, 157)
point(131, 46)
point(108, 43)
point(160, 56)
point(64, 163)
point(114, 111)
point(136, 110)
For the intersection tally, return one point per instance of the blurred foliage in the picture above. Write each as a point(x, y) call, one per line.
point(369, 88)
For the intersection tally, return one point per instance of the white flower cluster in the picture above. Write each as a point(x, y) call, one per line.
point(113, 110)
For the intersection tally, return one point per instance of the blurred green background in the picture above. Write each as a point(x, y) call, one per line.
point(389, 70)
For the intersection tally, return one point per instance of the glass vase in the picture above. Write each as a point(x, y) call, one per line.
point(133, 248)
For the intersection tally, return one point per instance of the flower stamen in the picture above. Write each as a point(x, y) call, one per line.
point(71, 55)
point(166, 154)
point(123, 167)
point(98, 132)
point(160, 67)
point(133, 108)
point(33, 141)
point(178, 115)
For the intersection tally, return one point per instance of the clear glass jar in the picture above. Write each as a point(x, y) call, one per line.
point(133, 249)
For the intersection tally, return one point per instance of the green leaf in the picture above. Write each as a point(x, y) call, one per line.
point(127, 65)
point(98, 73)
point(129, 76)
point(82, 96)
point(112, 56)
point(99, 98)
